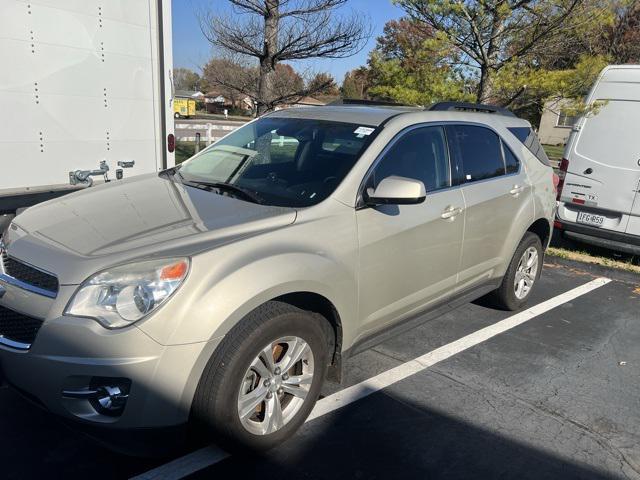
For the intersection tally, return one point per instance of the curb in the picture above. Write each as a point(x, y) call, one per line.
point(595, 269)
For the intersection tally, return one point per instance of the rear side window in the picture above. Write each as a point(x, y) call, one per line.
point(420, 154)
point(511, 162)
point(478, 152)
point(530, 140)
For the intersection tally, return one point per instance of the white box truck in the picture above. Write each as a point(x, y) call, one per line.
point(85, 85)
point(599, 193)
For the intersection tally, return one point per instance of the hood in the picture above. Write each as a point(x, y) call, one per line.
point(143, 216)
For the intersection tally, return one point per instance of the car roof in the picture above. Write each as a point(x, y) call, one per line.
point(374, 116)
point(358, 114)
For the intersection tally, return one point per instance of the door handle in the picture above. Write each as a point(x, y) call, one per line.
point(516, 190)
point(451, 212)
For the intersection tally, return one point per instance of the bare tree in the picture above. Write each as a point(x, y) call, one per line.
point(275, 31)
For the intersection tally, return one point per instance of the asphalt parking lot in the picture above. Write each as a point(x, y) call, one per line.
point(554, 395)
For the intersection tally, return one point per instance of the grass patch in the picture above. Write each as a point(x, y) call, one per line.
point(184, 151)
point(554, 152)
point(585, 257)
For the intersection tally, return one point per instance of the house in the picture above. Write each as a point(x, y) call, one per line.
point(556, 123)
point(216, 102)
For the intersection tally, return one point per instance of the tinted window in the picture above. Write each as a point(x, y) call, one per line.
point(530, 140)
point(510, 160)
point(289, 162)
point(478, 152)
point(420, 154)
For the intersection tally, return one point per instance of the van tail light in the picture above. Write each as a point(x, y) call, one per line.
point(171, 142)
point(562, 173)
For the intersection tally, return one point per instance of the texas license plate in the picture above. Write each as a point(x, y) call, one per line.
point(590, 219)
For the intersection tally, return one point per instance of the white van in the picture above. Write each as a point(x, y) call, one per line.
point(599, 190)
point(85, 86)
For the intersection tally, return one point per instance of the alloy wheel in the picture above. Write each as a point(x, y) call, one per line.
point(275, 386)
point(526, 273)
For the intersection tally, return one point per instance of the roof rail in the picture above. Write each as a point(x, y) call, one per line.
point(361, 102)
point(471, 107)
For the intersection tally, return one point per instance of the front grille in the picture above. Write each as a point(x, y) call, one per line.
point(18, 327)
point(27, 274)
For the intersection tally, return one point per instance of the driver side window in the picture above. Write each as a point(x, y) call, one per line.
point(420, 154)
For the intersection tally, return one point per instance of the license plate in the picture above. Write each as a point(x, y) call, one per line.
point(590, 219)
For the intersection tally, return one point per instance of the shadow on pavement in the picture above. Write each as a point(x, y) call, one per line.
point(384, 437)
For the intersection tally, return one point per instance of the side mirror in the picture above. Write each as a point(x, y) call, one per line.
point(396, 190)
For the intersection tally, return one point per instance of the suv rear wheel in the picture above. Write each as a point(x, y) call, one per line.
point(264, 379)
point(522, 274)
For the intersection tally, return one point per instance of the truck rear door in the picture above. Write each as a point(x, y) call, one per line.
point(634, 220)
point(603, 172)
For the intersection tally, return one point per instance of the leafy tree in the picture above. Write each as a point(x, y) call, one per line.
point(410, 64)
point(275, 31)
point(229, 78)
point(356, 84)
point(186, 79)
point(490, 35)
point(324, 84)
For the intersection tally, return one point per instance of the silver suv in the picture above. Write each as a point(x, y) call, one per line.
point(223, 291)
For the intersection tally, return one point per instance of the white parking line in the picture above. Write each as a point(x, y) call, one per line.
point(205, 457)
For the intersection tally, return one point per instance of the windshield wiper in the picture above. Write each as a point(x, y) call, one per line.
point(228, 187)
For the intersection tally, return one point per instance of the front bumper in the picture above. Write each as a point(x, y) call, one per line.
point(68, 352)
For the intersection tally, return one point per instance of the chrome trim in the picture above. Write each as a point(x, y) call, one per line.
point(13, 344)
point(81, 394)
point(26, 286)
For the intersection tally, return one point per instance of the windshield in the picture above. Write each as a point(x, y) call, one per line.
point(288, 162)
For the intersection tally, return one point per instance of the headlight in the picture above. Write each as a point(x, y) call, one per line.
point(123, 295)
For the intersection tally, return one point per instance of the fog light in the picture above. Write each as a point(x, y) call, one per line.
point(111, 395)
point(107, 396)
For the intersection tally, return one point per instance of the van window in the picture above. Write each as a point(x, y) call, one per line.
point(477, 151)
point(420, 154)
point(530, 140)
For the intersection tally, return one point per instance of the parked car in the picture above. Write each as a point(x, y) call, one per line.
point(224, 290)
point(599, 195)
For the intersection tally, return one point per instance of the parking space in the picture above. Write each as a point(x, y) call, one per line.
point(552, 393)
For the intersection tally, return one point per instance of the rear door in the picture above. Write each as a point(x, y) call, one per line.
point(634, 220)
point(603, 172)
point(497, 196)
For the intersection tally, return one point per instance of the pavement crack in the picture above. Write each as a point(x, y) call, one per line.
point(597, 437)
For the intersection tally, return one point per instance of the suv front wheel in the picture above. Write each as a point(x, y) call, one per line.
point(522, 274)
point(264, 379)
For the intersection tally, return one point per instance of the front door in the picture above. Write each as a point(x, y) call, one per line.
point(410, 254)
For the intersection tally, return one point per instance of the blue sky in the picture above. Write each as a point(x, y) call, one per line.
point(191, 49)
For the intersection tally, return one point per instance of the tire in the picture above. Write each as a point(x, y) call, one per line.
point(176, 115)
point(216, 408)
point(507, 296)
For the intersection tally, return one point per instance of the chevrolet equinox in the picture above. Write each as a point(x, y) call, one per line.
point(223, 291)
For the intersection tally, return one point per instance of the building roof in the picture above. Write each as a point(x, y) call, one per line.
point(187, 94)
